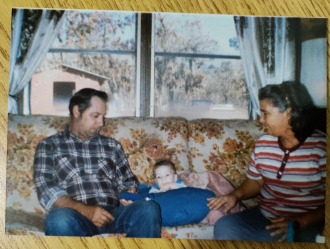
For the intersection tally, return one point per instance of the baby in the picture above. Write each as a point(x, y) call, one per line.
point(166, 177)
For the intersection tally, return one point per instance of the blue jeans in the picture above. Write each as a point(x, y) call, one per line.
point(250, 225)
point(140, 219)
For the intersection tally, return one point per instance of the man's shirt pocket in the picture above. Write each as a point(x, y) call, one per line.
point(103, 167)
point(67, 168)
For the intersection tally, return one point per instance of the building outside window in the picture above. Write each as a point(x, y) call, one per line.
point(95, 49)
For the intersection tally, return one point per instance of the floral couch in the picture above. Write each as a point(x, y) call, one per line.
point(200, 149)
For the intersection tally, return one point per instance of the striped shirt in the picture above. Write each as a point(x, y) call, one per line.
point(296, 187)
point(93, 172)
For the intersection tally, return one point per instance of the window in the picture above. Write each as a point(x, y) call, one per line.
point(189, 65)
point(198, 71)
point(93, 48)
point(63, 91)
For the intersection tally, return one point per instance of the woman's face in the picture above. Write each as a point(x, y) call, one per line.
point(276, 122)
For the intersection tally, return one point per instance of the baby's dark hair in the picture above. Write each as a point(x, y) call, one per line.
point(164, 163)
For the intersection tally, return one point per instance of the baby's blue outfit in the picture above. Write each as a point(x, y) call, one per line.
point(178, 183)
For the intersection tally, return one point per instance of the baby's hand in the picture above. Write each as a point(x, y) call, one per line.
point(168, 186)
point(125, 202)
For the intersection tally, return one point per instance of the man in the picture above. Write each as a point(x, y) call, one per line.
point(79, 175)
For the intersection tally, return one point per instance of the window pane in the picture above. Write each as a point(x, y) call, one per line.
point(198, 71)
point(98, 30)
point(200, 88)
point(114, 74)
point(63, 91)
point(195, 33)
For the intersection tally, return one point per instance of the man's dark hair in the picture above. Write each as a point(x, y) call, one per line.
point(83, 98)
point(294, 95)
point(164, 163)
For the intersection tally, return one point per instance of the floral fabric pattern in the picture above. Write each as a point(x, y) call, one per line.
point(146, 141)
point(225, 146)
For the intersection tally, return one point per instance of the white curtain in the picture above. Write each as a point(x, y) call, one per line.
point(32, 34)
point(269, 53)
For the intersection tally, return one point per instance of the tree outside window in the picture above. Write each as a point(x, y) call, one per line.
point(198, 71)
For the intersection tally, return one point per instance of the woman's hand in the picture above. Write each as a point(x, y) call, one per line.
point(315, 217)
point(281, 224)
point(228, 200)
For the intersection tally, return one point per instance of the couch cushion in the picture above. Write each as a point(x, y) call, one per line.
point(224, 146)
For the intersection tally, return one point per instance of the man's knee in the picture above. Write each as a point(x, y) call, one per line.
point(145, 220)
point(61, 222)
point(150, 209)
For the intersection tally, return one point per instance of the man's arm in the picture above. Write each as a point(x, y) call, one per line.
point(44, 176)
point(99, 216)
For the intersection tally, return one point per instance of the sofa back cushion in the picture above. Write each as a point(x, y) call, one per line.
point(223, 146)
point(144, 140)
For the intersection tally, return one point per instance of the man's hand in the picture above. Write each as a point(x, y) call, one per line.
point(99, 216)
point(168, 186)
point(281, 224)
point(216, 202)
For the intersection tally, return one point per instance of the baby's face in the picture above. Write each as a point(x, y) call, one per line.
point(164, 174)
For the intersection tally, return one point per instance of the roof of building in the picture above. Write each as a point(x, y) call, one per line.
point(85, 73)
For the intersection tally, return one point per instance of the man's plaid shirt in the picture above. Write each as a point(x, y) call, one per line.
point(93, 172)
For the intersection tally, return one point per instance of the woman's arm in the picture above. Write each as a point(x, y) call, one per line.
point(248, 189)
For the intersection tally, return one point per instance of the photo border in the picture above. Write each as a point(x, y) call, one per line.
point(237, 7)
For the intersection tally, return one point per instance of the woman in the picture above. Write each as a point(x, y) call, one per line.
point(287, 171)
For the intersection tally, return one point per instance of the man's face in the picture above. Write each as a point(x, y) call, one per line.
point(88, 123)
point(164, 174)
